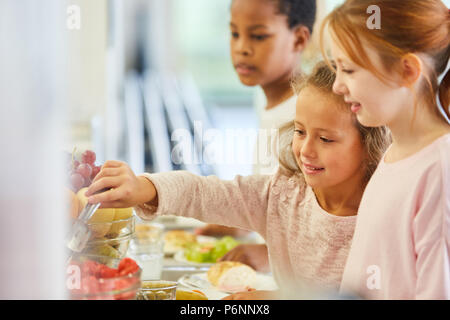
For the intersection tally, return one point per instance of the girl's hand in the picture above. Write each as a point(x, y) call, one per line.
point(253, 295)
point(126, 190)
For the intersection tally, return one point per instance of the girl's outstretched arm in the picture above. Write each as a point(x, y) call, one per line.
point(240, 203)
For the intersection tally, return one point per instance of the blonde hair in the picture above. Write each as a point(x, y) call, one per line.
point(375, 140)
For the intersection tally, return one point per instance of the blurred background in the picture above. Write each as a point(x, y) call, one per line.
point(124, 78)
point(141, 69)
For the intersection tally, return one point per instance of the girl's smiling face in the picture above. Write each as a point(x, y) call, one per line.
point(263, 48)
point(326, 143)
point(375, 102)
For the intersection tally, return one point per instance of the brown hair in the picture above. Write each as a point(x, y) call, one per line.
point(375, 140)
point(413, 26)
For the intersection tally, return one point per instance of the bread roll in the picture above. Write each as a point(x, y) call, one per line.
point(231, 276)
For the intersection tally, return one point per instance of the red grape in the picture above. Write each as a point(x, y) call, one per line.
point(82, 173)
point(77, 181)
point(88, 157)
point(85, 170)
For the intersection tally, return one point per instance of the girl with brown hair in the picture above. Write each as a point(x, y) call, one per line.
point(306, 211)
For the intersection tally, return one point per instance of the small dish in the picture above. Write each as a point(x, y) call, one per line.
point(157, 290)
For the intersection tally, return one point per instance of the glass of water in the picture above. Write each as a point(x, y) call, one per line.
point(149, 255)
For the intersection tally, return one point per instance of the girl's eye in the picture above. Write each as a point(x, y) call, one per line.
point(326, 140)
point(347, 71)
point(235, 34)
point(299, 132)
point(260, 37)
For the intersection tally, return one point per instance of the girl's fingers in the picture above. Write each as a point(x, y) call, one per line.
point(104, 183)
point(107, 172)
point(105, 197)
point(112, 164)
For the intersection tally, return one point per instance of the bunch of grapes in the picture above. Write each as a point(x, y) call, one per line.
point(82, 173)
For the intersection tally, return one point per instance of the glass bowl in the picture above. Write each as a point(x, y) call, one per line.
point(115, 239)
point(90, 287)
point(112, 229)
point(157, 290)
point(113, 248)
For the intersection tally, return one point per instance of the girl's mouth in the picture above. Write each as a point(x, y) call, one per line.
point(312, 170)
point(244, 69)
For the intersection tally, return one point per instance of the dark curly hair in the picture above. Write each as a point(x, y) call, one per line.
point(299, 12)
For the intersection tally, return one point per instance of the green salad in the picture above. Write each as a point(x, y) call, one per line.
point(209, 252)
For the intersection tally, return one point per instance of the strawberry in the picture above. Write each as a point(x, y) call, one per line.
point(127, 266)
point(106, 272)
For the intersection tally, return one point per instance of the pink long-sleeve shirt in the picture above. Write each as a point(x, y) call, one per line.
point(401, 246)
point(307, 245)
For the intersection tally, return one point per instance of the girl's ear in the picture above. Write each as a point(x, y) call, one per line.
point(302, 36)
point(412, 69)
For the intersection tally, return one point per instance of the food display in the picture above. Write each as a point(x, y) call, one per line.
point(148, 232)
point(103, 278)
point(231, 276)
point(82, 171)
point(157, 290)
point(107, 222)
point(115, 248)
point(111, 228)
point(176, 240)
point(209, 252)
point(107, 274)
point(85, 170)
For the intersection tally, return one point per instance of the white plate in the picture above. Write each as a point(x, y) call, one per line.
point(199, 281)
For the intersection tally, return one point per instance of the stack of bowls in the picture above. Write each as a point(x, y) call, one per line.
point(111, 238)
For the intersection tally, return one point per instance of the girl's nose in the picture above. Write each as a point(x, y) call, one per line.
point(243, 47)
point(307, 150)
point(339, 86)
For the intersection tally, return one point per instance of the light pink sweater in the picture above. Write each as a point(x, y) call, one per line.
point(401, 247)
point(307, 246)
